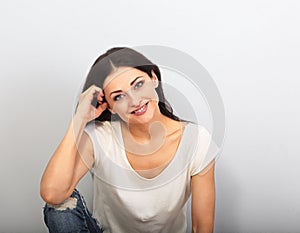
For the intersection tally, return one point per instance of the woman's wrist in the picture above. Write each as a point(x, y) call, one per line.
point(78, 125)
point(79, 120)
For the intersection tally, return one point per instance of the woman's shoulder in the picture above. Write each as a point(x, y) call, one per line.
point(99, 127)
point(197, 132)
point(194, 126)
point(99, 124)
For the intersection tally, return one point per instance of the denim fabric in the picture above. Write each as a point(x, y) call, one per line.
point(66, 219)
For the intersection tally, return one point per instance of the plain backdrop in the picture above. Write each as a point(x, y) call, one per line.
point(250, 48)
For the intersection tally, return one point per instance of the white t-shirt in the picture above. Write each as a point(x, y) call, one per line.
point(125, 202)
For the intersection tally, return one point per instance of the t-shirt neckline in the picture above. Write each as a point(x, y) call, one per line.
point(182, 141)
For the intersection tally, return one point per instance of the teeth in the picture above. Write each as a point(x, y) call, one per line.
point(140, 110)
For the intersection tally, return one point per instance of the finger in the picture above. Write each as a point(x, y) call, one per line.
point(101, 108)
point(98, 94)
point(91, 92)
point(95, 89)
point(100, 99)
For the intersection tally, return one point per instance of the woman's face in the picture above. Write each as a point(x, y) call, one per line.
point(131, 94)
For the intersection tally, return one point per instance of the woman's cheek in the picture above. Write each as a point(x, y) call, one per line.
point(149, 93)
point(120, 108)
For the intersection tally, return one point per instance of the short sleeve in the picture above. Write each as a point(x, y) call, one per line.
point(206, 151)
point(97, 132)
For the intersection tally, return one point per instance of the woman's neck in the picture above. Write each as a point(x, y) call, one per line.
point(146, 139)
point(144, 132)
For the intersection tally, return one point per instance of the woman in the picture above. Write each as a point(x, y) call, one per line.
point(146, 162)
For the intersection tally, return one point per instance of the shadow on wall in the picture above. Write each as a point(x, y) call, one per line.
point(228, 200)
point(85, 187)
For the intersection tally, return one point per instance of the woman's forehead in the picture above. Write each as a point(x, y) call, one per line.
point(121, 76)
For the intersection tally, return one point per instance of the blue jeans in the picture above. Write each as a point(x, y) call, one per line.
point(72, 216)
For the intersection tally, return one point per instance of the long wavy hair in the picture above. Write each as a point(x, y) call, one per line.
point(125, 57)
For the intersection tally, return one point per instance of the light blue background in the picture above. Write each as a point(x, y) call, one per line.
point(250, 48)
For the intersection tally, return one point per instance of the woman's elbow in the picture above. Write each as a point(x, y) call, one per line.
point(203, 227)
point(48, 196)
point(52, 197)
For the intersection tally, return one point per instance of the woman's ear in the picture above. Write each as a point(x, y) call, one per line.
point(109, 108)
point(108, 105)
point(154, 79)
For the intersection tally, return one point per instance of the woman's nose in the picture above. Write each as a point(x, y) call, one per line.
point(134, 99)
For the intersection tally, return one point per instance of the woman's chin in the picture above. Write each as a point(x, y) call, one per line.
point(141, 119)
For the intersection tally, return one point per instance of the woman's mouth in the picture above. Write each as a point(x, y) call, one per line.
point(140, 110)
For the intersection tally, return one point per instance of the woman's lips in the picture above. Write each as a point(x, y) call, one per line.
point(140, 110)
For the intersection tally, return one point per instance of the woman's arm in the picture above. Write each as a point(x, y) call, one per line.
point(69, 163)
point(74, 156)
point(203, 201)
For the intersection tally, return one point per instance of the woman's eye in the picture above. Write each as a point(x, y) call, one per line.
point(118, 97)
point(138, 84)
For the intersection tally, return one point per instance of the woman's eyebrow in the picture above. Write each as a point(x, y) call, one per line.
point(135, 80)
point(131, 83)
point(114, 92)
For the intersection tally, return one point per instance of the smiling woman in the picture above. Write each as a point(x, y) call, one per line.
point(131, 93)
point(146, 162)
